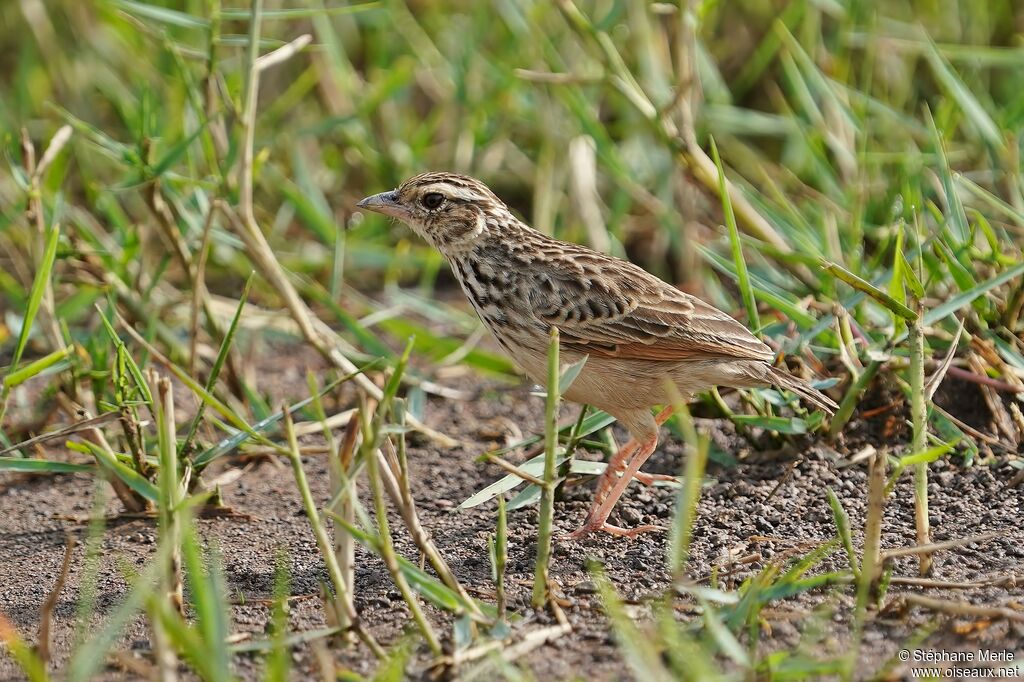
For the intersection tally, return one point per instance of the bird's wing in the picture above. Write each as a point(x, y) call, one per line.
point(607, 307)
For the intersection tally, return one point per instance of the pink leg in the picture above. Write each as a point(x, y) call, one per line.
point(618, 463)
point(611, 485)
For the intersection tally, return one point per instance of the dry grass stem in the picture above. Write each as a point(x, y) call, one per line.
point(343, 491)
point(396, 483)
point(961, 608)
point(46, 611)
point(513, 469)
point(939, 546)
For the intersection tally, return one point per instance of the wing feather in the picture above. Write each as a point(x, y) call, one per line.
point(611, 308)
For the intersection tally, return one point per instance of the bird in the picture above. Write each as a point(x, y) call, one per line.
point(637, 332)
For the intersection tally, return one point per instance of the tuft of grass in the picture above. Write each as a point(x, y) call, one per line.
point(341, 593)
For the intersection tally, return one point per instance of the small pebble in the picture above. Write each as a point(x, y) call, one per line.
point(585, 587)
point(631, 516)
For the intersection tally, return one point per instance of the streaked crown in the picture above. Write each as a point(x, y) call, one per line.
point(449, 210)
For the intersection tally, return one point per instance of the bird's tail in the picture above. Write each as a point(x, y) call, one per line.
point(780, 378)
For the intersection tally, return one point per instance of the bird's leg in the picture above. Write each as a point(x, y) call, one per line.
point(627, 462)
point(602, 506)
point(651, 479)
point(618, 463)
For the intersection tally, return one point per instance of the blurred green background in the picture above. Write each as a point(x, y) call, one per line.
point(873, 135)
point(818, 106)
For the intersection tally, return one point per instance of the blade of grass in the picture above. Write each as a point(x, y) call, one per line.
point(88, 659)
point(499, 557)
point(919, 419)
point(209, 598)
point(842, 521)
point(547, 498)
point(871, 566)
point(278, 659)
point(41, 466)
point(35, 299)
point(958, 90)
point(16, 377)
point(26, 659)
point(689, 493)
point(434, 591)
point(742, 276)
point(218, 363)
point(170, 493)
point(868, 288)
point(639, 651)
point(125, 473)
point(386, 542)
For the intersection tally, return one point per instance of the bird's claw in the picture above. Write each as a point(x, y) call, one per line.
point(653, 479)
point(588, 528)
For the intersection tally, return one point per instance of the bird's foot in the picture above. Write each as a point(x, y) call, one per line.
point(653, 479)
point(588, 528)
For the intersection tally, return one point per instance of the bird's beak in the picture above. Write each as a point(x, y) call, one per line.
point(386, 203)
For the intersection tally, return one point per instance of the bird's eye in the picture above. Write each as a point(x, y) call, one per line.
point(433, 200)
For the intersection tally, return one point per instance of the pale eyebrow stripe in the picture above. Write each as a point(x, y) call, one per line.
point(450, 190)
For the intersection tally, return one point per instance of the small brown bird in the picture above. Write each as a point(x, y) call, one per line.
point(636, 330)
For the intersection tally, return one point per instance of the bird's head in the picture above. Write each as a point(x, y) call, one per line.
point(450, 211)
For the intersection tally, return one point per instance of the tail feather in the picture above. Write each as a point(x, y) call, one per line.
point(780, 378)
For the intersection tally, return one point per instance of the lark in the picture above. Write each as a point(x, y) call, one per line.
point(637, 332)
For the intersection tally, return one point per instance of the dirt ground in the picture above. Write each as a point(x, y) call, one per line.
point(744, 523)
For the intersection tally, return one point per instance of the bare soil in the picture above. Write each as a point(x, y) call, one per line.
point(767, 507)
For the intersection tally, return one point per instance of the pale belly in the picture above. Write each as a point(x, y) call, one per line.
point(608, 384)
point(616, 385)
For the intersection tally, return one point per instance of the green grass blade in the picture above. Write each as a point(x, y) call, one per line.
point(786, 425)
point(132, 478)
point(162, 15)
point(35, 300)
point(42, 466)
point(956, 224)
point(958, 90)
point(430, 588)
point(258, 429)
point(36, 367)
point(218, 363)
point(133, 368)
point(208, 596)
point(87, 661)
point(842, 521)
point(870, 289)
point(638, 649)
point(23, 654)
point(742, 276)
